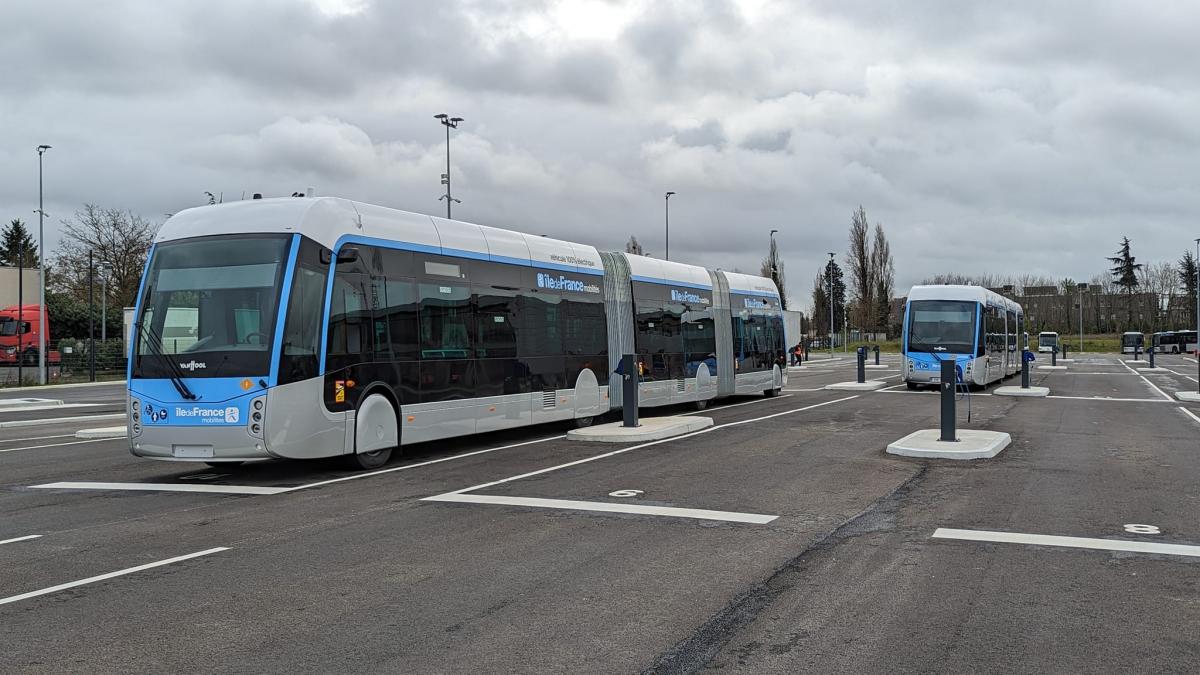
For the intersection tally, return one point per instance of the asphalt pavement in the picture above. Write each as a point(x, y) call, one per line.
point(782, 539)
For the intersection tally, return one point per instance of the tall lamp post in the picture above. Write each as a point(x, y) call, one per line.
point(41, 150)
point(829, 273)
point(667, 225)
point(1198, 313)
point(104, 269)
point(1082, 288)
point(449, 123)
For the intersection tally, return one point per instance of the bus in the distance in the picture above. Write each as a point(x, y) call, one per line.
point(1047, 342)
point(977, 328)
point(1176, 342)
point(1132, 341)
point(313, 327)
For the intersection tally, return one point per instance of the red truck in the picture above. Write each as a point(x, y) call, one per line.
point(19, 337)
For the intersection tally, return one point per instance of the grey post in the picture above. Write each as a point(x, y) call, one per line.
point(876, 354)
point(91, 322)
point(20, 311)
point(1024, 370)
point(1064, 346)
point(1054, 356)
point(1150, 353)
point(948, 384)
point(1137, 353)
point(629, 390)
point(862, 364)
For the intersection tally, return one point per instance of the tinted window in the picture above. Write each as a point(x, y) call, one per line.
point(446, 321)
point(305, 312)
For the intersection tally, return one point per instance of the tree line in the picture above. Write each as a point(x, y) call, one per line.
point(866, 302)
point(119, 242)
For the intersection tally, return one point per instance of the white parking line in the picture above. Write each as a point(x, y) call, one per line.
point(646, 445)
point(1107, 398)
point(12, 424)
point(1152, 385)
point(57, 406)
point(610, 507)
point(734, 405)
point(110, 575)
point(1067, 542)
point(35, 438)
point(55, 445)
point(166, 487)
point(1187, 412)
point(25, 538)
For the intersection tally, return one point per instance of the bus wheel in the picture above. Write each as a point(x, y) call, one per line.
point(911, 385)
point(700, 405)
point(770, 392)
point(583, 422)
point(369, 460)
point(224, 465)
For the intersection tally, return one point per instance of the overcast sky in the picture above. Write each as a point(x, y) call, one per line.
point(1003, 137)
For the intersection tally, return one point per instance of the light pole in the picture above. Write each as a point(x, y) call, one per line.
point(667, 225)
point(104, 269)
point(829, 273)
point(1082, 288)
point(449, 123)
point(1198, 313)
point(41, 150)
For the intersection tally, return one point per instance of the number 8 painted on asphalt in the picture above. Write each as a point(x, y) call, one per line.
point(1142, 529)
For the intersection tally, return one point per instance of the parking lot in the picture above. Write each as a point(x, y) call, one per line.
point(782, 539)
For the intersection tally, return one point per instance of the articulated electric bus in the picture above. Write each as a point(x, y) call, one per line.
point(312, 327)
point(975, 327)
point(1175, 342)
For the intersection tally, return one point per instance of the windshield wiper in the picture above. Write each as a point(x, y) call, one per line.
point(175, 372)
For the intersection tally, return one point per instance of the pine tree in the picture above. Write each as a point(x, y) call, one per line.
point(15, 241)
point(772, 268)
point(1124, 272)
point(832, 270)
point(1187, 279)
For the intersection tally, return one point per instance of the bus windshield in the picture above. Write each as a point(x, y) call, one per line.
point(941, 326)
point(1132, 339)
point(8, 326)
point(210, 304)
point(1048, 340)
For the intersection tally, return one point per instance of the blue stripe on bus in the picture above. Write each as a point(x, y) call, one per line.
point(285, 293)
point(137, 316)
point(668, 282)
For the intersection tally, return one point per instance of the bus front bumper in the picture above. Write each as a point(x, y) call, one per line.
point(198, 444)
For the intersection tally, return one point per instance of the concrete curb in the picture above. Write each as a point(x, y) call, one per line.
point(651, 429)
point(1189, 396)
point(103, 432)
point(971, 444)
point(29, 403)
point(872, 366)
point(1051, 367)
point(1032, 392)
point(869, 385)
point(73, 385)
point(1155, 369)
point(59, 420)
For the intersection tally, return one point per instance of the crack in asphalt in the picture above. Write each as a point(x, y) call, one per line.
point(695, 652)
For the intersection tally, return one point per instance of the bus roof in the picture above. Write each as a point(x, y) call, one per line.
point(962, 292)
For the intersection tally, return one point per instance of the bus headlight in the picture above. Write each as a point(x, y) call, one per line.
point(255, 425)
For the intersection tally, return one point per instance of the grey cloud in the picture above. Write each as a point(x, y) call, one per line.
point(708, 133)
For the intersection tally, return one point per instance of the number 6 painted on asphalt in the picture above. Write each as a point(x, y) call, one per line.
point(1142, 529)
point(625, 493)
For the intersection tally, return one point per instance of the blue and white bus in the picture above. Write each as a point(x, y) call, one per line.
point(313, 327)
point(979, 329)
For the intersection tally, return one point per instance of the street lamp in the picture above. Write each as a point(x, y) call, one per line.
point(1082, 288)
point(41, 150)
point(829, 273)
point(104, 269)
point(449, 123)
point(667, 225)
point(1197, 313)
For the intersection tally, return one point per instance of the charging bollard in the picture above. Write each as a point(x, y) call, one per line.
point(1150, 353)
point(1136, 353)
point(948, 384)
point(1025, 369)
point(862, 364)
point(629, 390)
point(876, 354)
point(1054, 357)
point(1064, 347)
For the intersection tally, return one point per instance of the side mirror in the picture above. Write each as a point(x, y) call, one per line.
point(347, 254)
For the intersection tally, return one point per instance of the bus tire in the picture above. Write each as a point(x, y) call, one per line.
point(769, 393)
point(375, 411)
point(584, 422)
point(700, 405)
point(912, 386)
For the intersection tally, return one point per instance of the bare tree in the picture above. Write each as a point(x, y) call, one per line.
point(119, 240)
point(858, 263)
point(772, 268)
point(632, 246)
point(883, 273)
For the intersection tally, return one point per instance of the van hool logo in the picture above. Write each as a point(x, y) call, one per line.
point(687, 296)
point(193, 365)
point(561, 283)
